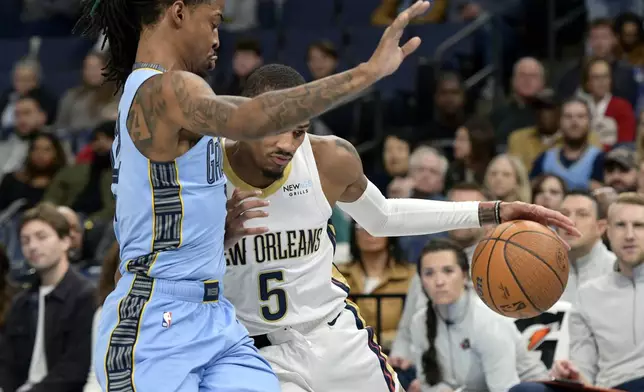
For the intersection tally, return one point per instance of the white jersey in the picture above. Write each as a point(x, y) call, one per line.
point(286, 277)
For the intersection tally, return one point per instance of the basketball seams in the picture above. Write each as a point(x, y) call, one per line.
point(487, 269)
point(516, 279)
point(538, 257)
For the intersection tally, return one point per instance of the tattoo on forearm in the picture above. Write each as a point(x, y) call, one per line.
point(147, 109)
point(201, 114)
point(287, 108)
point(234, 99)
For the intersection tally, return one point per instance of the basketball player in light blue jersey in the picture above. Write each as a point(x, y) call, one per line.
point(167, 326)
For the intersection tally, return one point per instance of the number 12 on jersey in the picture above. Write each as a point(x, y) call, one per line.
point(266, 293)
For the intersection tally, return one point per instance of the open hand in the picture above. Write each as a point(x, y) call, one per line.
point(240, 209)
point(389, 54)
point(519, 210)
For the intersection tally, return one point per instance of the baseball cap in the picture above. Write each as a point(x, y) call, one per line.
point(621, 156)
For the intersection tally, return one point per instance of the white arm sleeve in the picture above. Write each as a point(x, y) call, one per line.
point(384, 217)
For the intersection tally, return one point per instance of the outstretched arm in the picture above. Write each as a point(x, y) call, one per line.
point(401, 217)
point(189, 102)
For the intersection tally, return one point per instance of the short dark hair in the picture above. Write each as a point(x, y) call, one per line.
point(248, 45)
point(49, 214)
point(588, 65)
point(470, 186)
point(324, 46)
point(122, 22)
point(578, 100)
point(578, 192)
point(600, 22)
point(271, 77)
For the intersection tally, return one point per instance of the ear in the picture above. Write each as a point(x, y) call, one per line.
point(177, 13)
point(601, 226)
point(67, 243)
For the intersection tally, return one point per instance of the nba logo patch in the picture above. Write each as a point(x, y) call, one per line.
point(167, 320)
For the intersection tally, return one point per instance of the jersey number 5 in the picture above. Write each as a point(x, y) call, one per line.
point(265, 294)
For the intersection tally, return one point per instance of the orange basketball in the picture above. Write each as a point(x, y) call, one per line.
point(521, 269)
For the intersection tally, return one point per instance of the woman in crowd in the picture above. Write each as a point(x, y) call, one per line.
point(106, 284)
point(85, 106)
point(548, 190)
point(507, 179)
point(470, 163)
point(459, 343)
point(612, 117)
point(45, 158)
point(396, 149)
point(378, 269)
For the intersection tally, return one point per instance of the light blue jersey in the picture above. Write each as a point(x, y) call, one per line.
point(167, 325)
point(170, 216)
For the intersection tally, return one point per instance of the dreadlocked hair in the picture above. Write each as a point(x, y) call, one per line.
point(121, 21)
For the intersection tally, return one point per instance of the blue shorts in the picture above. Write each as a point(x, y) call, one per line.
point(161, 335)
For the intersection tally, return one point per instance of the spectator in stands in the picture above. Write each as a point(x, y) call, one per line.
point(620, 170)
point(630, 33)
point(7, 290)
point(427, 168)
point(507, 179)
point(474, 148)
point(602, 42)
point(86, 188)
point(45, 158)
point(106, 284)
point(48, 327)
point(389, 9)
point(246, 58)
point(416, 300)
point(606, 351)
point(548, 190)
point(395, 160)
point(459, 344)
point(89, 242)
point(322, 59)
point(612, 117)
point(26, 78)
point(377, 268)
point(29, 119)
point(610, 8)
point(589, 258)
point(528, 79)
point(82, 107)
point(449, 112)
point(580, 164)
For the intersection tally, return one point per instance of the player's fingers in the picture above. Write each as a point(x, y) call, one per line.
point(252, 215)
point(247, 205)
point(243, 195)
point(410, 46)
point(255, 231)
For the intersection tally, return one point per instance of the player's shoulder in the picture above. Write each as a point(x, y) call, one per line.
point(336, 157)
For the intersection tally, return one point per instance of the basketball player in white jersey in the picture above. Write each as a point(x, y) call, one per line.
point(282, 282)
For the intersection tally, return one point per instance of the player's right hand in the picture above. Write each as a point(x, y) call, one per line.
point(565, 369)
point(389, 54)
point(240, 208)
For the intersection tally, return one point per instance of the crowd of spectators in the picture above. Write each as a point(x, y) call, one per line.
point(568, 135)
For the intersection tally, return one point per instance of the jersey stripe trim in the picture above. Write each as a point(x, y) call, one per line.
point(167, 229)
point(387, 371)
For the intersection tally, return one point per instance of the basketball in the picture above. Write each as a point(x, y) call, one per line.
point(521, 269)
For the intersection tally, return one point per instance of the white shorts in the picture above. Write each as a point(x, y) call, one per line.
point(338, 355)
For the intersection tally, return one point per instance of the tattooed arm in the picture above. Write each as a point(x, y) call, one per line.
point(233, 99)
point(190, 103)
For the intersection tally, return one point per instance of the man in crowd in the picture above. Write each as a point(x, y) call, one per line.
point(620, 170)
point(577, 161)
point(47, 338)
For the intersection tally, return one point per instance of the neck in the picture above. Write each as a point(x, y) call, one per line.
point(242, 163)
point(375, 263)
point(54, 275)
point(155, 49)
point(581, 252)
point(573, 151)
point(627, 269)
point(598, 98)
point(455, 311)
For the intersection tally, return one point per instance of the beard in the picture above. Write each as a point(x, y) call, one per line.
point(273, 174)
point(576, 142)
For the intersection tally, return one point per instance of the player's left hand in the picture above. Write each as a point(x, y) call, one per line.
point(240, 209)
point(519, 210)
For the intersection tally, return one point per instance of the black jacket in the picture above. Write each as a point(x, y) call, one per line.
point(69, 313)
